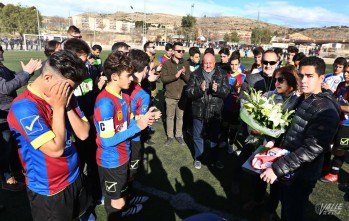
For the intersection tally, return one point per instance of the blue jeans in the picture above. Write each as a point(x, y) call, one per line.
point(213, 129)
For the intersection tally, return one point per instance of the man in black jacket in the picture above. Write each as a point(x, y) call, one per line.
point(309, 136)
point(263, 80)
point(207, 88)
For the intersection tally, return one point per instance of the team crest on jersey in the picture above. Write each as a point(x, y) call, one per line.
point(31, 124)
point(336, 81)
point(144, 108)
point(119, 114)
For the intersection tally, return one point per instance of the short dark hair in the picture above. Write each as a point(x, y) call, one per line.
point(278, 51)
point(299, 56)
point(292, 49)
point(139, 59)
point(118, 45)
point(209, 50)
point(97, 47)
point(235, 53)
point(116, 62)
point(77, 46)
point(290, 74)
point(67, 64)
point(73, 29)
point(168, 46)
point(258, 50)
point(316, 62)
point(177, 43)
point(224, 51)
point(146, 45)
point(193, 51)
point(340, 61)
point(50, 47)
point(234, 57)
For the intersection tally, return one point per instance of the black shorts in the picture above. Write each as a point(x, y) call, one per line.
point(114, 181)
point(68, 204)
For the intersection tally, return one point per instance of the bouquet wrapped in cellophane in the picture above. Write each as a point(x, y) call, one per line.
point(261, 113)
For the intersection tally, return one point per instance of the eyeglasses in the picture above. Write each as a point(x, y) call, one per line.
point(152, 47)
point(180, 51)
point(280, 80)
point(269, 62)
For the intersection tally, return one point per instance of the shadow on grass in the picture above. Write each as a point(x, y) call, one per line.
point(152, 174)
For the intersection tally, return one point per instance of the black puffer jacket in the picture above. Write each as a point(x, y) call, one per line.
point(207, 104)
point(310, 134)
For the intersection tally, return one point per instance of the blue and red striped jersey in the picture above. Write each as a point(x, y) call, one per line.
point(231, 102)
point(30, 120)
point(140, 101)
point(114, 128)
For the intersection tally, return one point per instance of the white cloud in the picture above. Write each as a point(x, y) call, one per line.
point(296, 16)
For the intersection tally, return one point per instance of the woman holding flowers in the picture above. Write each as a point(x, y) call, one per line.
point(286, 92)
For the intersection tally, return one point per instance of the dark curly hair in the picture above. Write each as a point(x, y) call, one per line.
point(67, 64)
point(116, 63)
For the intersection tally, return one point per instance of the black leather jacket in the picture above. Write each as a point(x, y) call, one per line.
point(207, 104)
point(309, 136)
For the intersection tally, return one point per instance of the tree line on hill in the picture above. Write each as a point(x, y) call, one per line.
point(19, 19)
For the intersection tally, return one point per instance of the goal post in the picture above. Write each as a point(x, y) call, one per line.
point(37, 42)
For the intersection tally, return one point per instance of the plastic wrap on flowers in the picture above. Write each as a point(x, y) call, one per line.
point(248, 119)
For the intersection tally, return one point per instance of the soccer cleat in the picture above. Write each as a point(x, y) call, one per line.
point(329, 178)
point(132, 210)
point(197, 164)
point(138, 200)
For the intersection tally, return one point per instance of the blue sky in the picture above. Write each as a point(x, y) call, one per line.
point(296, 13)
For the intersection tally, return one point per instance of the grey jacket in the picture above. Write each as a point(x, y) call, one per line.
point(9, 83)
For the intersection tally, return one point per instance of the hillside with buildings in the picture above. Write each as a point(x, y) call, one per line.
point(128, 27)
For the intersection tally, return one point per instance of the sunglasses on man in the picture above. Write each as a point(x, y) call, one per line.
point(180, 51)
point(153, 47)
point(269, 62)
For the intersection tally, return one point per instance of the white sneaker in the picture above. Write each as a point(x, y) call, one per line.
point(132, 210)
point(197, 164)
point(138, 200)
point(230, 149)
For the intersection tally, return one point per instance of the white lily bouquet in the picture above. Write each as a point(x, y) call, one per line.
point(264, 115)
